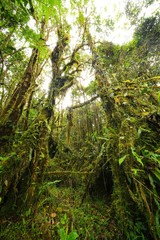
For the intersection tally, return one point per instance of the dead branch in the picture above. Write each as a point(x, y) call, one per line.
point(85, 103)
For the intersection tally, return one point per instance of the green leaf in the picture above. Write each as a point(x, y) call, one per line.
point(144, 90)
point(159, 97)
point(3, 158)
point(102, 138)
point(53, 183)
point(121, 160)
point(28, 212)
point(63, 234)
point(23, 221)
point(137, 157)
point(112, 130)
point(73, 235)
point(6, 182)
point(81, 17)
point(151, 181)
point(139, 132)
point(136, 171)
point(64, 219)
point(157, 222)
point(156, 172)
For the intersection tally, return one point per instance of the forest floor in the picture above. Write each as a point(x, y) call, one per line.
point(60, 215)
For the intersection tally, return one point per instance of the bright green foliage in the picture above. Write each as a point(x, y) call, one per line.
point(121, 160)
point(47, 9)
point(13, 14)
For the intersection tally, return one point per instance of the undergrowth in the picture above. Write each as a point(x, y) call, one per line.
point(59, 215)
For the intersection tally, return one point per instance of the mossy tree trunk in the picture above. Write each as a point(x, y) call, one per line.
point(23, 169)
point(12, 111)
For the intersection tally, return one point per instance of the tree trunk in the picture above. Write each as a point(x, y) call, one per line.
point(13, 109)
point(120, 196)
point(24, 169)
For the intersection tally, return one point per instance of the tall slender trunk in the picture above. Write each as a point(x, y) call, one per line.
point(13, 108)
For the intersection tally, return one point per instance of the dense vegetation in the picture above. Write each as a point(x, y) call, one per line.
point(92, 170)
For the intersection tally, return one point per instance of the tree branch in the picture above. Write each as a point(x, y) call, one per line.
point(85, 103)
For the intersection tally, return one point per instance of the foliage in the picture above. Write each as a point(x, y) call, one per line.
point(132, 117)
point(62, 219)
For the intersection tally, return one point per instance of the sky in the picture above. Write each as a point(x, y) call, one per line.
point(123, 32)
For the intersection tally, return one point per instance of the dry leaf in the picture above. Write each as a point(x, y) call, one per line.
point(53, 215)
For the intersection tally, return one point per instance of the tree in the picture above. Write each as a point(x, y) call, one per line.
point(129, 114)
point(37, 138)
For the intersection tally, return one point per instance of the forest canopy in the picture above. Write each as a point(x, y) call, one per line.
point(80, 119)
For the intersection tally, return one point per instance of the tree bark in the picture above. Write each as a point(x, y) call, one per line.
point(12, 111)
